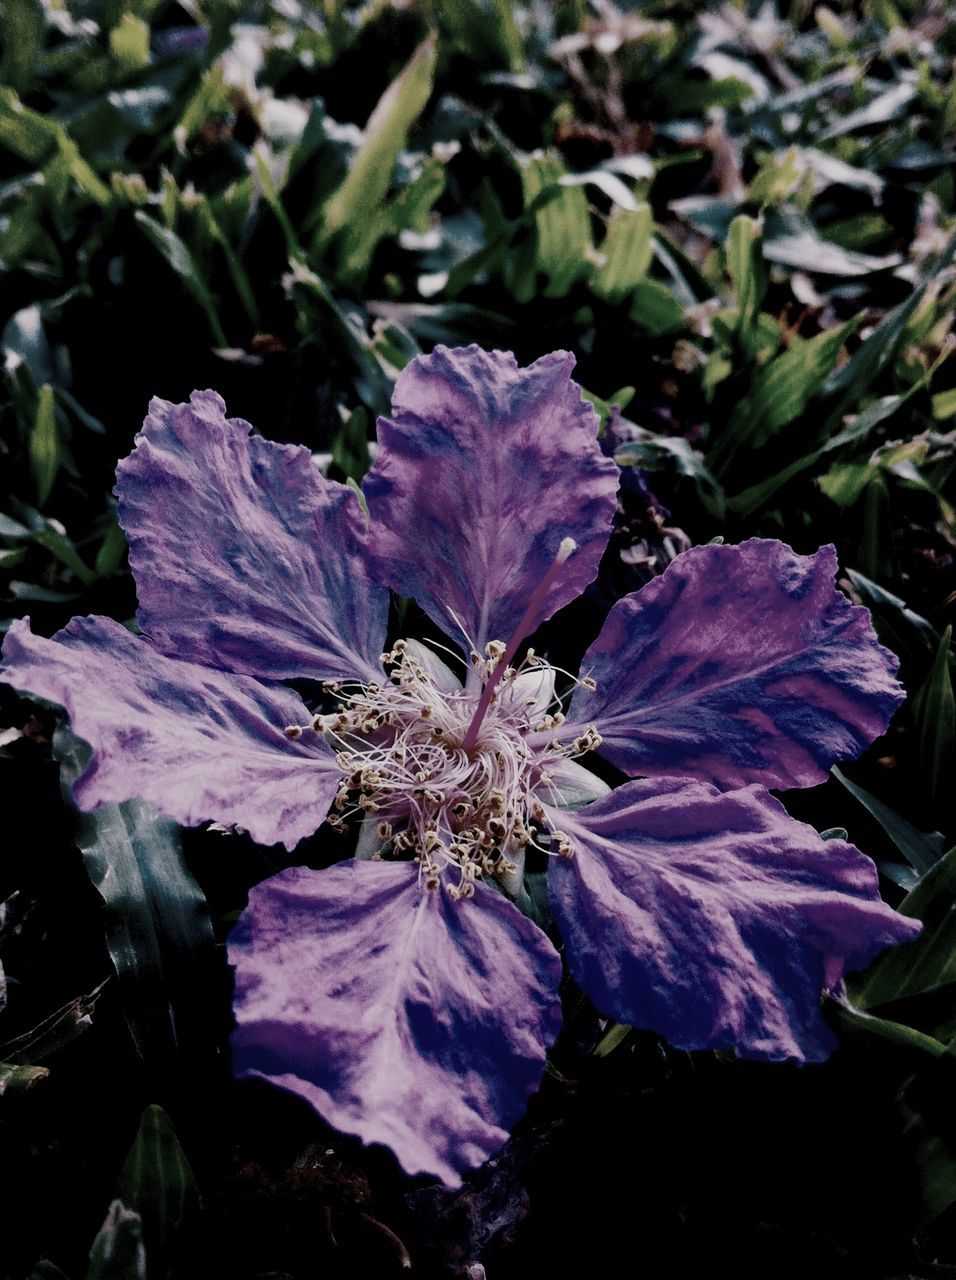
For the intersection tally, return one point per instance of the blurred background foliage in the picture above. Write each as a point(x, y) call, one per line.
point(740, 217)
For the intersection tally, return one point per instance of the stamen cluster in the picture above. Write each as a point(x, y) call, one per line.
point(474, 810)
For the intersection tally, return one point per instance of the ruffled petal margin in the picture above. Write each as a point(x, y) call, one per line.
point(738, 664)
point(483, 470)
point(401, 1016)
point(200, 744)
point(244, 556)
point(714, 918)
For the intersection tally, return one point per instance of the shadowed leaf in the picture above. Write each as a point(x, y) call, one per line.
point(157, 923)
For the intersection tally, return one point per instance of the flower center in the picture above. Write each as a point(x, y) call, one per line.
point(432, 789)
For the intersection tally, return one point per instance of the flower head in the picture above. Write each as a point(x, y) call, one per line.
point(402, 992)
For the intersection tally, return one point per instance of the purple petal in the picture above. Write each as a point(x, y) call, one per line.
point(739, 664)
point(483, 470)
point(713, 918)
point(244, 556)
point(200, 744)
point(400, 1015)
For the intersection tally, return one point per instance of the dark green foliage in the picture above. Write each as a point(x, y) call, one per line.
point(741, 221)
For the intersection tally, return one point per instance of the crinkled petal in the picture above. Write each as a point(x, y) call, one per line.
point(200, 744)
point(713, 918)
point(739, 664)
point(483, 470)
point(244, 556)
point(400, 1015)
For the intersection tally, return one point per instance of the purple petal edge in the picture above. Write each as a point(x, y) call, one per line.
point(483, 470)
point(244, 556)
point(200, 744)
point(714, 918)
point(400, 1015)
point(738, 664)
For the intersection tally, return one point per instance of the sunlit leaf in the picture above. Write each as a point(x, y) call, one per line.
point(562, 225)
point(627, 250)
point(779, 393)
point(44, 445)
point(370, 173)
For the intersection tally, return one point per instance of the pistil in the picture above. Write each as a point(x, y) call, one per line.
point(525, 626)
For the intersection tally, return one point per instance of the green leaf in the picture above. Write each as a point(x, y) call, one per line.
point(408, 209)
point(35, 138)
point(846, 1019)
point(880, 346)
point(158, 1184)
point(26, 133)
point(611, 1040)
point(180, 260)
point(944, 404)
point(59, 545)
point(212, 97)
point(628, 248)
point(780, 391)
point(129, 43)
point(350, 446)
point(118, 1252)
point(486, 31)
point(655, 309)
point(856, 432)
point(666, 453)
point(44, 444)
point(370, 173)
point(24, 26)
point(562, 225)
point(780, 176)
point(14, 1078)
point(935, 710)
point(929, 961)
point(111, 552)
point(55, 1031)
point(157, 923)
point(743, 261)
point(237, 271)
point(922, 850)
point(905, 631)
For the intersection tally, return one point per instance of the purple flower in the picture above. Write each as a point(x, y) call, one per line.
point(403, 993)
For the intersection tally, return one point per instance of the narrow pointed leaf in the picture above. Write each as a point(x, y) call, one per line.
point(44, 444)
point(929, 961)
point(157, 923)
point(157, 1182)
point(370, 173)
